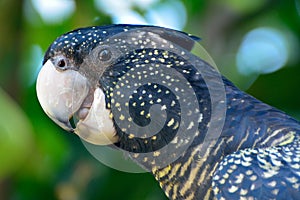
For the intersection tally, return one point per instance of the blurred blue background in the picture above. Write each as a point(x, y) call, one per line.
point(254, 43)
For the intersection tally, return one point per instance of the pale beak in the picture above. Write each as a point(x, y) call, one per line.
point(61, 93)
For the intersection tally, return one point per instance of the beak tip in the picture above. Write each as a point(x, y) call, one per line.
point(66, 125)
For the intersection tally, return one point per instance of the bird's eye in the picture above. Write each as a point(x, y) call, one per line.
point(105, 55)
point(61, 63)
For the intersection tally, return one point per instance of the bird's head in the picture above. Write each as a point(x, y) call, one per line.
point(128, 84)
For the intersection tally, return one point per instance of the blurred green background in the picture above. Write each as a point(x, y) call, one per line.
point(255, 43)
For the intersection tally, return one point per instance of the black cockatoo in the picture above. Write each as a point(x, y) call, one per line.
point(153, 93)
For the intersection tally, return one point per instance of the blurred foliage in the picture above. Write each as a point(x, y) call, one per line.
point(40, 161)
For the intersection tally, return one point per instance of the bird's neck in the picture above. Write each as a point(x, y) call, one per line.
point(248, 123)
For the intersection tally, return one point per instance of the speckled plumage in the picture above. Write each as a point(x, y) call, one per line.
point(256, 155)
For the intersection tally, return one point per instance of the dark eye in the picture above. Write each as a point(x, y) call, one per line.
point(61, 63)
point(104, 55)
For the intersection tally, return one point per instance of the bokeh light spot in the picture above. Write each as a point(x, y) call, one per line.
point(128, 17)
point(170, 14)
point(54, 11)
point(263, 50)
